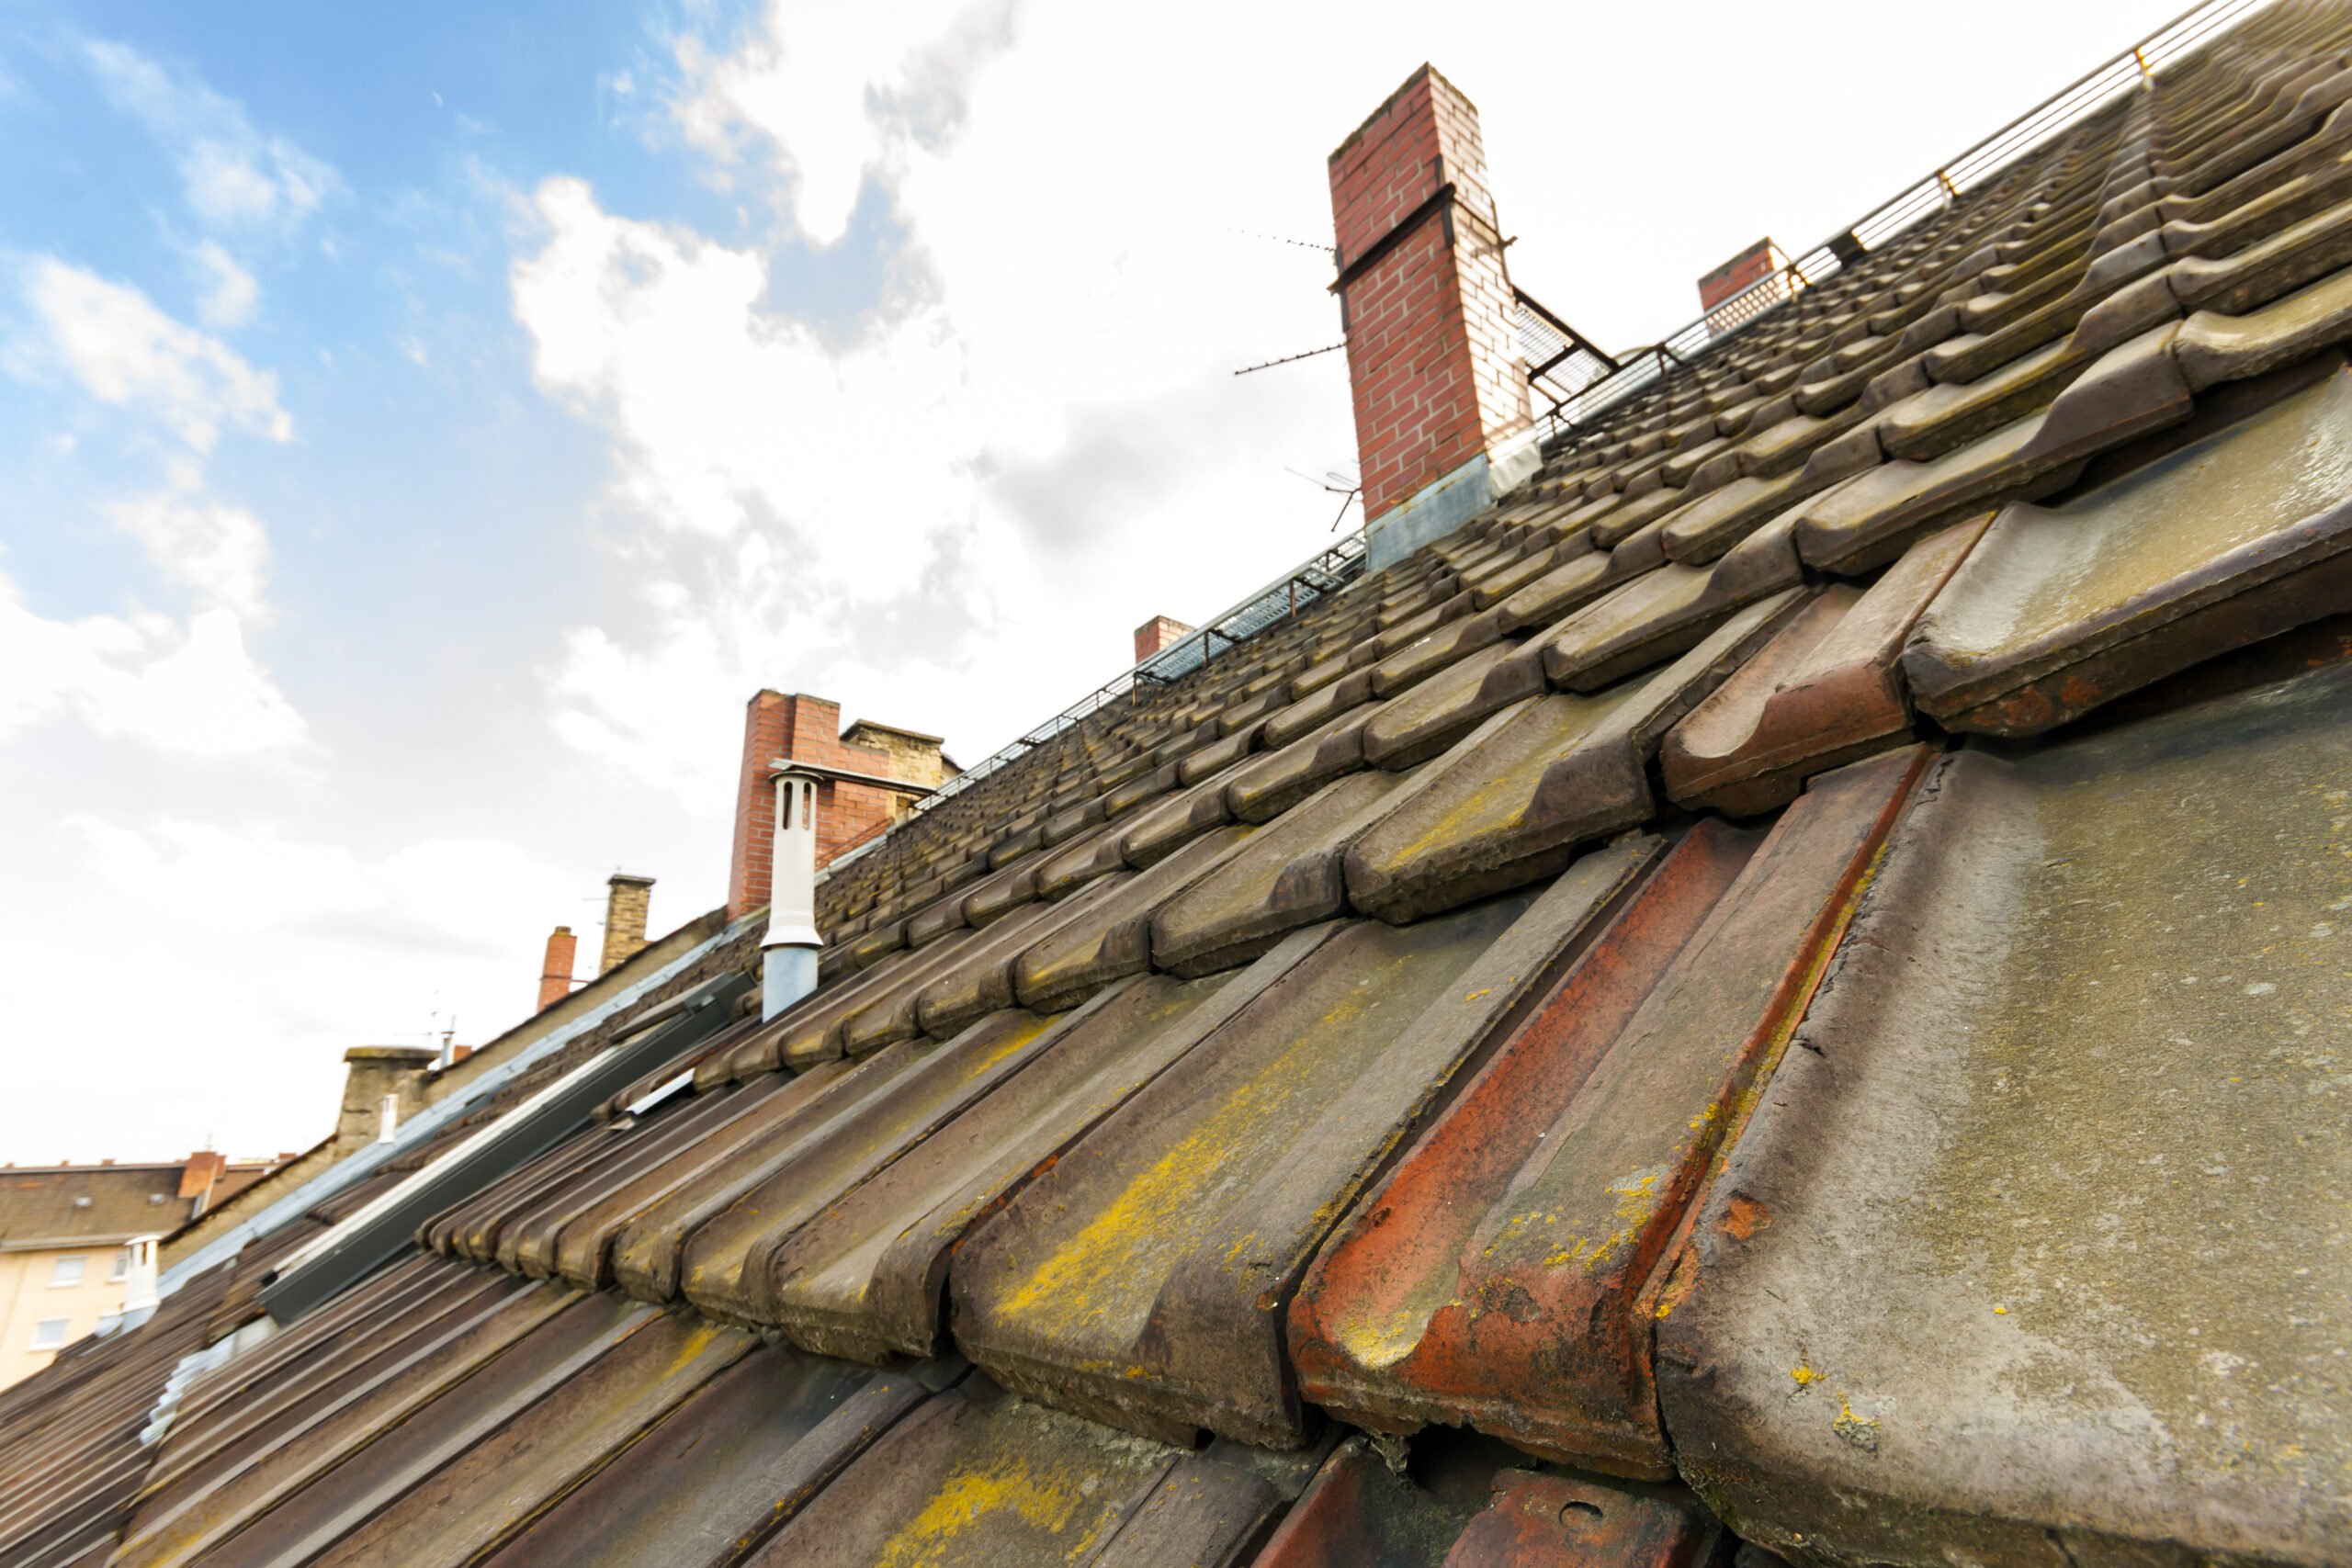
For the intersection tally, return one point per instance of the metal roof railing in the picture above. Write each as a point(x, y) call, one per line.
point(1561, 361)
point(1932, 193)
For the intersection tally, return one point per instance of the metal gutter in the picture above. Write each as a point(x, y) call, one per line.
point(388, 1224)
point(356, 1168)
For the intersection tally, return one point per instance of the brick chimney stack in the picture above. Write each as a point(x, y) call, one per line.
point(799, 728)
point(1157, 633)
point(555, 974)
point(628, 900)
point(199, 1177)
point(1444, 423)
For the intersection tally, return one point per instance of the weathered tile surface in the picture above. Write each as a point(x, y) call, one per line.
point(2030, 1253)
point(2107, 343)
point(1143, 1279)
point(2240, 536)
point(716, 1476)
point(864, 1277)
point(1540, 779)
point(1498, 1276)
point(1826, 691)
point(976, 1476)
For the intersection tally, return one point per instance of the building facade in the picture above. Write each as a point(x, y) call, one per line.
point(65, 1242)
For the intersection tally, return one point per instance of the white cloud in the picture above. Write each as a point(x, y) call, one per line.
point(726, 408)
point(834, 91)
point(916, 501)
point(219, 551)
point(274, 950)
point(233, 176)
point(192, 690)
point(231, 292)
point(112, 339)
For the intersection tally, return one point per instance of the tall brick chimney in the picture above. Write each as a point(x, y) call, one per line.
point(1159, 632)
point(1444, 423)
point(555, 971)
point(800, 729)
point(628, 900)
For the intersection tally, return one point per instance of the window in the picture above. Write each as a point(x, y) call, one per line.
point(68, 1271)
point(49, 1332)
point(122, 1269)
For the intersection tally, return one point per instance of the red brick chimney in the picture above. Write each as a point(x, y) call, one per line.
point(1443, 417)
point(1754, 265)
point(555, 974)
point(1160, 631)
point(199, 1177)
point(799, 728)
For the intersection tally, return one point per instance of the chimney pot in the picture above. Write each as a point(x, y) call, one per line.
point(804, 728)
point(788, 949)
point(140, 1298)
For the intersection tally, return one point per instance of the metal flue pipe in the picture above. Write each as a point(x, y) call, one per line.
point(788, 950)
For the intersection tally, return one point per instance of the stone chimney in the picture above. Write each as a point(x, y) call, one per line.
point(1444, 423)
point(555, 970)
point(627, 900)
point(1159, 632)
point(383, 1086)
point(914, 757)
point(804, 729)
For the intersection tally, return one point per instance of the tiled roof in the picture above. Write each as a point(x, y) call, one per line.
point(89, 1202)
point(1782, 986)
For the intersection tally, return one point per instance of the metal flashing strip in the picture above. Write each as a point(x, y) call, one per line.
point(349, 1171)
point(377, 1232)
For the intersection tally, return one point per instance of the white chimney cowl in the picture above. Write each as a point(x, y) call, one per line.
point(139, 1296)
point(788, 949)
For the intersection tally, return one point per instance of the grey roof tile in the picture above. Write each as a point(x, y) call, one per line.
point(2027, 1245)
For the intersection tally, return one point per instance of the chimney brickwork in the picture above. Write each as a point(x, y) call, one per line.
point(628, 901)
point(199, 1178)
point(1434, 355)
point(1157, 633)
point(1752, 266)
point(914, 757)
point(555, 970)
point(805, 730)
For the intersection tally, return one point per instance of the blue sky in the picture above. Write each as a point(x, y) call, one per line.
point(425, 427)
